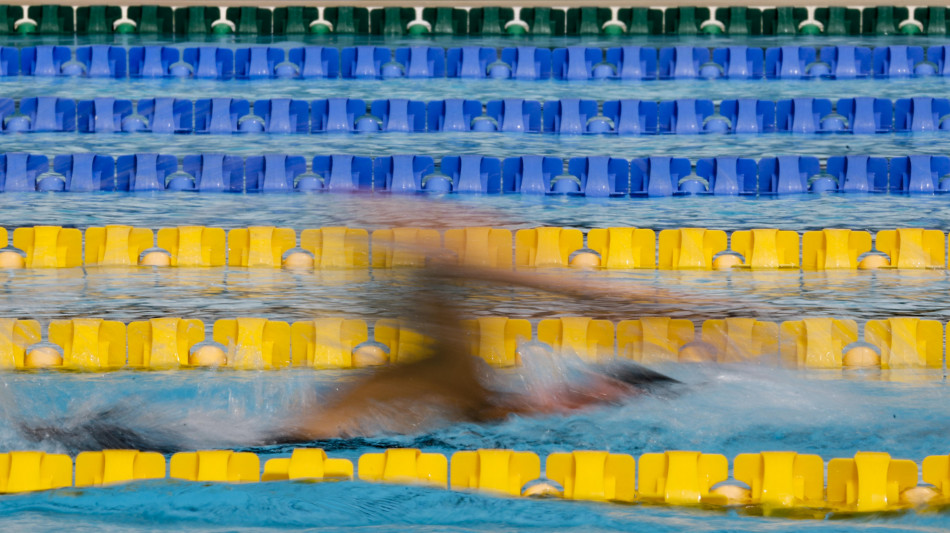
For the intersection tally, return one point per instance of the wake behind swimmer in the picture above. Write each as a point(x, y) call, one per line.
point(417, 409)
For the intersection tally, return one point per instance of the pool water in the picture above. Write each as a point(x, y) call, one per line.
point(497, 144)
point(727, 409)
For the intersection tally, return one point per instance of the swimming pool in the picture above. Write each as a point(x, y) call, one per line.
point(725, 409)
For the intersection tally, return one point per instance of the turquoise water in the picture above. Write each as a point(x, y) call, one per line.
point(719, 409)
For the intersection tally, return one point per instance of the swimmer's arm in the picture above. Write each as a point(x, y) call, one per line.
point(444, 369)
point(604, 296)
point(569, 285)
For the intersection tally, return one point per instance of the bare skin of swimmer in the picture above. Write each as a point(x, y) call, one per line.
point(443, 384)
point(448, 382)
point(446, 386)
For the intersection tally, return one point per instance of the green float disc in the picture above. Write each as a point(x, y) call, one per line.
point(515, 29)
point(125, 28)
point(712, 29)
point(810, 29)
point(613, 29)
point(320, 29)
point(26, 27)
point(910, 29)
point(220, 29)
point(418, 29)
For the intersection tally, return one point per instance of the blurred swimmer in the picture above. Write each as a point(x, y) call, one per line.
point(442, 385)
point(445, 383)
